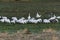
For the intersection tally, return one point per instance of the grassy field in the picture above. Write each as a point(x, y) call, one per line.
point(22, 9)
point(32, 27)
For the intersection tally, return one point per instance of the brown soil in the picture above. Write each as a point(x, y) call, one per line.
point(46, 34)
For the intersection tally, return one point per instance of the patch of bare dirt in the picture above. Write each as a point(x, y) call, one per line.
point(46, 34)
point(49, 30)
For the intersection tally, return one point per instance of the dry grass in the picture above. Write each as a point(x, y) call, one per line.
point(49, 30)
point(46, 34)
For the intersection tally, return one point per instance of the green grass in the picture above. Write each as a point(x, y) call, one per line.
point(22, 9)
point(32, 27)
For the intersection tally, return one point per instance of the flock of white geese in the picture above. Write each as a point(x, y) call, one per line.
point(29, 19)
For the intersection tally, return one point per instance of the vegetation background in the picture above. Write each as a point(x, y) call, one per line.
point(21, 8)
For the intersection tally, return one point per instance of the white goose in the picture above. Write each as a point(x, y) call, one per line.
point(7, 20)
point(54, 17)
point(22, 20)
point(33, 20)
point(46, 21)
point(13, 21)
point(57, 20)
point(2, 20)
point(29, 17)
point(58, 17)
point(14, 18)
point(39, 20)
point(37, 15)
